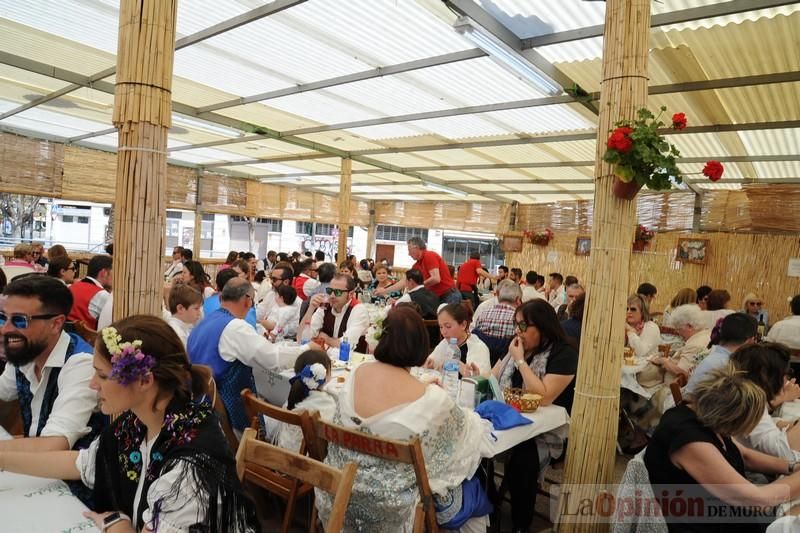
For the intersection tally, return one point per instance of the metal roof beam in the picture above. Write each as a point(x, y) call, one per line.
point(378, 72)
point(663, 19)
point(482, 17)
point(226, 25)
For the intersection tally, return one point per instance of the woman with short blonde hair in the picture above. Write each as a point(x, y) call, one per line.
point(693, 449)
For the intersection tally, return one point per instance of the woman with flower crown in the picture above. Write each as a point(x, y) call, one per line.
point(163, 464)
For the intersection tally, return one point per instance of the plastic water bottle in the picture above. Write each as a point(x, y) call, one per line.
point(344, 350)
point(450, 369)
point(305, 336)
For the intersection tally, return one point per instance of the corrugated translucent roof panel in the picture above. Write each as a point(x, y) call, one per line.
point(49, 49)
point(196, 15)
point(50, 120)
point(89, 22)
point(540, 153)
point(782, 169)
point(771, 142)
point(262, 115)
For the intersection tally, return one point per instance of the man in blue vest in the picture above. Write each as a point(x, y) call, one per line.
point(231, 347)
point(49, 370)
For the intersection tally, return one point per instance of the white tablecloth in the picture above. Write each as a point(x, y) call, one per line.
point(39, 505)
point(630, 382)
point(551, 418)
point(545, 419)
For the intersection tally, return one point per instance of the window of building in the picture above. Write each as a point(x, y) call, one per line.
point(456, 251)
point(68, 219)
point(399, 233)
point(83, 220)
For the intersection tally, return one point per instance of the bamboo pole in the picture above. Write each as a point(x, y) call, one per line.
point(344, 206)
point(593, 429)
point(142, 115)
point(198, 217)
point(371, 232)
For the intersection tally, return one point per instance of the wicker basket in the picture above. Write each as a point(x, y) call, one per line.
point(526, 405)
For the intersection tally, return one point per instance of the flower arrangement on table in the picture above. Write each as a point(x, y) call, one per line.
point(643, 237)
point(540, 238)
point(642, 157)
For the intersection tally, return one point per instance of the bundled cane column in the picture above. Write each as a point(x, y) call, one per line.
point(593, 429)
point(142, 115)
point(344, 206)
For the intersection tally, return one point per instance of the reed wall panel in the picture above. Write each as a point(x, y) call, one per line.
point(30, 166)
point(738, 262)
point(89, 175)
point(181, 188)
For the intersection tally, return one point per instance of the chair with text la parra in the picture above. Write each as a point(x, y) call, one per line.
point(319, 433)
point(255, 456)
point(286, 488)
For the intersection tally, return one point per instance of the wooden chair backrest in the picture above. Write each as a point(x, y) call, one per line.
point(665, 330)
point(255, 407)
point(675, 388)
point(209, 388)
point(319, 433)
point(85, 332)
point(339, 483)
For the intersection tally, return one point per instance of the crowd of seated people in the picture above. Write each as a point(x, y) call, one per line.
point(525, 331)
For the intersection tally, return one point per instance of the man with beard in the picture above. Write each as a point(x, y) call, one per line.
point(48, 370)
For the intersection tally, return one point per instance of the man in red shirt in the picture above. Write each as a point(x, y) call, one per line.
point(434, 271)
point(467, 278)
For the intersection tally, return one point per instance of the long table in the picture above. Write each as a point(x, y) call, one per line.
point(273, 385)
point(39, 505)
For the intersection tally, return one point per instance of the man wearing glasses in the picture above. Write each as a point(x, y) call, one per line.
point(231, 347)
point(341, 317)
point(281, 274)
point(48, 370)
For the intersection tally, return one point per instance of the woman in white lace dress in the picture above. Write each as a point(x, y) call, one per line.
point(382, 398)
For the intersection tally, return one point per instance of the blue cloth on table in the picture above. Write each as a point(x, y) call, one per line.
point(501, 415)
point(474, 502)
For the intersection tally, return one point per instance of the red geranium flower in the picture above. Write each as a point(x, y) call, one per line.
point(679, 121)
point(713, 170)
point(620, 140)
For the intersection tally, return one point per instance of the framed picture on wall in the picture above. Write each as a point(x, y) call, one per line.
point(583, 245)
point(692, 250)
point(512, 243)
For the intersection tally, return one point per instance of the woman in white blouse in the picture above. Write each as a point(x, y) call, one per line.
point(454, 323)
point(767, 365)
point(642, 334)
point(163, 464)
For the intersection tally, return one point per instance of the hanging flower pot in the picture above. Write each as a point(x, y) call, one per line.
point(625, 190)
point(639, 246)
point(642, 238)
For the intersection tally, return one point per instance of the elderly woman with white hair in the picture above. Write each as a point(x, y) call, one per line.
point(689, 322)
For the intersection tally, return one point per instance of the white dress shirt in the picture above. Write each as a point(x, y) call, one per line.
point(786, 331)
point(265, 306)
point(181, 328)
point(75, 401)
point(174, 268)
point(357, 324)
point(99, 300)
point(286, 317)
point(406, 297)
point(240, 342)
point(529, 293)
point(558, 297)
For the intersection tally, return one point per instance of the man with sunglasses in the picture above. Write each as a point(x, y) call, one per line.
point(282, 274)
point(342, 316)
point(48, 370)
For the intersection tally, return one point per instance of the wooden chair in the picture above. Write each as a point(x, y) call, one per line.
point(433, 332)
point(657, 317)
point(675, 388)
point(254, 456)
point(85, 332)
point(210, 390)
point(665, 330)
point(319, 433)
point(286, 488)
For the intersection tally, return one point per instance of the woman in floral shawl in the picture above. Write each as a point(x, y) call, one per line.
point(163, 464)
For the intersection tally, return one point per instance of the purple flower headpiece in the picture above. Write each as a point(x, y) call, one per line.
point(128, 362)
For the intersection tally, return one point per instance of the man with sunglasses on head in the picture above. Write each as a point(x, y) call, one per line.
point(340, 317)
point(48, 370)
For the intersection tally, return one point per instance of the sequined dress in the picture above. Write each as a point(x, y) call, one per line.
point(385, 493)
